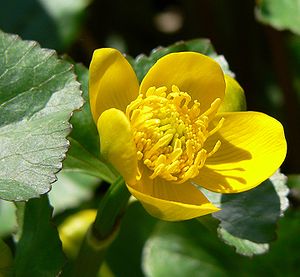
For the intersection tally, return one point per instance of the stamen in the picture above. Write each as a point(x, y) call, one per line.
point(213, 108)
point(215, 149)
point(170, 131)
point(217, 128)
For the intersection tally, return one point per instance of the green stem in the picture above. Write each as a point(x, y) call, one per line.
point(103, 231)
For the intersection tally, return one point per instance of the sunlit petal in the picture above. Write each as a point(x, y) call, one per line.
point(198, 75)
point(170, 201)
point(252, 148)
point(112, 82)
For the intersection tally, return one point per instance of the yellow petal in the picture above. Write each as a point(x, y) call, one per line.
point(116, 143)
point(253, 147)
point(112, 82)
point(234, 99)
point(169, 201)
point(194, 73)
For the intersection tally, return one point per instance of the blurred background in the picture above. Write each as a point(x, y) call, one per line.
point(264, 57)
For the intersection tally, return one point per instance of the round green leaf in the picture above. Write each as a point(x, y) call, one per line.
point(38, 93)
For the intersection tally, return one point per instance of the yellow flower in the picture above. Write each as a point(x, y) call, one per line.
point(166, 137)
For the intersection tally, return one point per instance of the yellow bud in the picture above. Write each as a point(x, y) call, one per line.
point(73, 230)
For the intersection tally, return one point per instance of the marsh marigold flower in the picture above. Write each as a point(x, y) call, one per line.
point(167, 138)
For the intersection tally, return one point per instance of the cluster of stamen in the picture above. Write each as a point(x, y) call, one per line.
point(170, 131)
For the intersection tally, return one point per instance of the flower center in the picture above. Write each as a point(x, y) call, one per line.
point(169, 132)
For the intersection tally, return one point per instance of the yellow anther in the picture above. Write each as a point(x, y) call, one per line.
point(173, 167)
point(139, 155)
point(170, 131)
point(150, 91)
point(163, 141)
point(177, 152)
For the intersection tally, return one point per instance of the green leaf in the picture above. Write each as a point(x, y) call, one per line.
point(39, 251)
point(53, 23)
point(176, 249)
point(143, 63)
point(71, 189)
point(248, 220)
point(281, 14)
point(279, 182)
point(6, 260)
point(38, 93)
point(132, 237)
point(243, 246)
point(84, 154)
point(251, 215)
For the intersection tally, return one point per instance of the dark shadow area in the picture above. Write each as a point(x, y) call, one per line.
point(29, 20)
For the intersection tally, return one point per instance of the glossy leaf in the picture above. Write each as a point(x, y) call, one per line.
point(281, 14)
point(39, 251)
point(38, 93)
point(252, 215)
